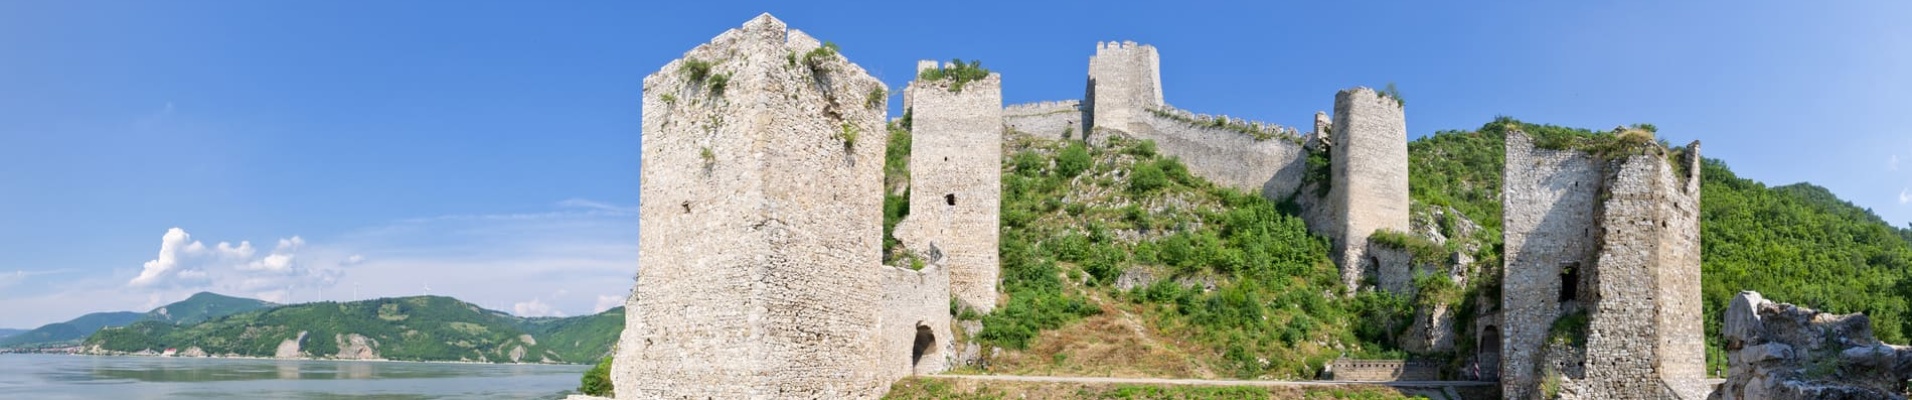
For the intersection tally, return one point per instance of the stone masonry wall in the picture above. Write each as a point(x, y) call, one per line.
point(1548, 198)
point(1682, 336)
point(1636, 217)
point(1049, 119)
point(956, 185)
point(751, 286)
point(1369, 177)
point(1623, 321)
point(915, 303)
point(1351, 370)
point(1272, 168)
point(1125, 81)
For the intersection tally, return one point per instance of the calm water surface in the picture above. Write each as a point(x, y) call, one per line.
point(44, 376)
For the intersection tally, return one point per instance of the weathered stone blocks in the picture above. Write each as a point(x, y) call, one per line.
point(956, 184)
point(762, 221)
point(1369, 175)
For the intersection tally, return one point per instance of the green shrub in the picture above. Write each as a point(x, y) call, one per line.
point(958, 73)
point(874, 99)
point(695, 69)
point(1028, 163)
point(1072, 160)
point(717, 84)
point(597, 380)
point(1146, 178)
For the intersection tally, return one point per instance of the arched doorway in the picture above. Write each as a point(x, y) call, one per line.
point(1487, 354)
point(925, 348)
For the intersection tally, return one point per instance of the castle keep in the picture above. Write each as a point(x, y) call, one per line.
point(752, 286)
point(1611, 240)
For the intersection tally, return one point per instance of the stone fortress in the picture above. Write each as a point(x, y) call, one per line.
point(761, 232)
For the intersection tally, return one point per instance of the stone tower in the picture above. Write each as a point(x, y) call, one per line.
point(1368, 190)
point(761, 225)
point(1612, 238)
point(956, 183)
point(1125, 80)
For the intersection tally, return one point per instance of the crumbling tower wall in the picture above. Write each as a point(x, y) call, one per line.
point(1369, 175)
point(762, 222)
point(956, 184)
point(1614, 237)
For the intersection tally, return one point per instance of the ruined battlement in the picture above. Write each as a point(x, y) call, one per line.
point(1041, 107)
point(1255, 129)
point(1614, 237)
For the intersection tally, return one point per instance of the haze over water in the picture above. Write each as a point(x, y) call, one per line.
point(38, 376)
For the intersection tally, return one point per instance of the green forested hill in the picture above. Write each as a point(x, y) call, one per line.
point(420, 328)
point(61, 333)
point(1797, 243)
point(203, 306)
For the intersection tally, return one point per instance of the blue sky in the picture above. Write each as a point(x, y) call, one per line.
point(489, 149)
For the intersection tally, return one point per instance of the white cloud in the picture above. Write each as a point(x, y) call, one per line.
point(355, 259)
point(186, 265)
point(1892, 163)
point(606, 302)
point(168, 261)
point(535, 308)
point(1905, 195)
point(280, 260)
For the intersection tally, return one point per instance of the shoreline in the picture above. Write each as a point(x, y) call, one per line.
point(292, 359)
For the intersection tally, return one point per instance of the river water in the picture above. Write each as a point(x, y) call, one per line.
point(46, 376)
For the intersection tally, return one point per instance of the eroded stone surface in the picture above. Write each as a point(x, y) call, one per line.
point(1783, 352)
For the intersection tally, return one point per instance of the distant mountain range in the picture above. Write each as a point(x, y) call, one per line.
point(418, 328)
point(200, 307)
point(10, 332)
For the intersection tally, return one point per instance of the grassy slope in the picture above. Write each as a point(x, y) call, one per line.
point(1241, 290)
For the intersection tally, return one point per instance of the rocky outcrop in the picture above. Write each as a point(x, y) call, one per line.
point(1782, 351)
point(290, 347)
point(357, 347)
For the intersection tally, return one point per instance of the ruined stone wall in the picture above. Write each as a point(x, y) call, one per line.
point(1631, 226)
point(1623, 320)
point(1369, 177)
point(1682, 336)
point(760, 242)
point(956, 185)
point(1272, 167)
point(915, 303)
point(1049, 119)
point(1548, 198)
point(1125, 81)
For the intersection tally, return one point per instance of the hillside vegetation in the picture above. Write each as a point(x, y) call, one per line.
point(1117, 261)
point(419, 328)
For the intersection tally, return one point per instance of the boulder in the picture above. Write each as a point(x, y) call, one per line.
point(1784, 352)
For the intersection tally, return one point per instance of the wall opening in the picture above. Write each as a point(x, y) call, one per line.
point(1487, 359)
point(950, 199)
point(1569, 281)
point(925, 345)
